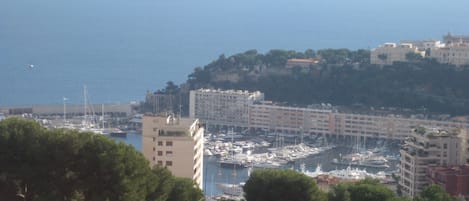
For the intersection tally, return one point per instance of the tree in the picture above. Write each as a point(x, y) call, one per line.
point(162, 184)
point(280, 185)
point(382, 56)
point(413, 57)
point(434, 193)
point(40, 164)
point(365, 190)
point(185, 189)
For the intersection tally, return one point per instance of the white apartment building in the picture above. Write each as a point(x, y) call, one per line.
point(427, 147)
point(389, 53)
point(176, 143)
point(222, 108)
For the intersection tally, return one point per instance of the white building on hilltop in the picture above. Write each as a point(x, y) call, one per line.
point(389, 53)
point(454, 53)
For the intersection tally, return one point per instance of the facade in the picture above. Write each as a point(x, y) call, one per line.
point(125, 109)
point(304, 63)
point(176, 143)
point(454, 179)
point(323, 120)
point(389, 53)
point(423, 45)
point(427, 147)
point(222, 108)
point(266, 115)
point(455, 53)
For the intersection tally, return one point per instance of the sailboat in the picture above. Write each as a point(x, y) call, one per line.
point(89, 122)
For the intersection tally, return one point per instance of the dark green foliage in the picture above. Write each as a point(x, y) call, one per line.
point(180, 191)
point(434, 193)
point(42, 164)
point(344, 78)
point(281, 185)
point(366, 190)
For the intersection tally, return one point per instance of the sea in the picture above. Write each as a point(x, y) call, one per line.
point(214, 174)
point(120, 49)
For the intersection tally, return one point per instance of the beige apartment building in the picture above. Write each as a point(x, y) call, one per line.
point(176, 143)
point(269, 116)
point(389, 53)
point(222, 108)
point(427, 147)
point(266, 115)
point(455, 53)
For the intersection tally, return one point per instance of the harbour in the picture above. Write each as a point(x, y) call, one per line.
point(226, 179)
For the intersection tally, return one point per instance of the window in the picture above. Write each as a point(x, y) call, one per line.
point(160, 153)
point(169, 163)
point(160, 162)
point(169, 153)
point(160, 143)
point(169, 143)
point(153, 158)
point(153, 148)
point(153, 139)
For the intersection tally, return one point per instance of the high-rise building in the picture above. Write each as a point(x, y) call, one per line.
point(176, 143)
point(222, 108)
point(427, 147)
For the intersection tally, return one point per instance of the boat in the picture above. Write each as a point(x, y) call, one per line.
point(89, 121)
point(231, 189)
point(117, 133)
point(348, 173)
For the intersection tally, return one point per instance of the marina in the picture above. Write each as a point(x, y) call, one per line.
point(224, 175)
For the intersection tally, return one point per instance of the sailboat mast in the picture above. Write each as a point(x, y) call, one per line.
point(84, 104)
point(65, 111)
point(102, 114)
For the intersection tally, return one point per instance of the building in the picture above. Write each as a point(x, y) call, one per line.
point(304, 63)
point(119, 109)
point(454, 179)
point(222, 108)
point(248, 110)
point(450, 39)
point(456, 53)
point(266, 115)
point(427, 147)
point(389, 53)
point(423, 45)
point(176, 143)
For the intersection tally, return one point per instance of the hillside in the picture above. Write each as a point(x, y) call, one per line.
point(341, 77)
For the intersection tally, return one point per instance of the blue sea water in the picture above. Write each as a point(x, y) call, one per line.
point(122, 48)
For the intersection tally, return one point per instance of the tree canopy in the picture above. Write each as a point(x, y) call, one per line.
point(434, 193)
point(366, 190)
point(342, 77)
point(281, 185)
point(41, 164)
